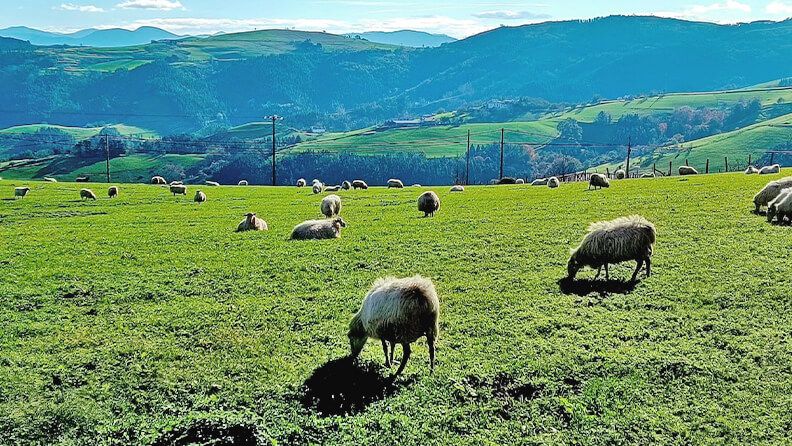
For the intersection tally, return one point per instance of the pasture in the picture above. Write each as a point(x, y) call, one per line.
point(147, 320)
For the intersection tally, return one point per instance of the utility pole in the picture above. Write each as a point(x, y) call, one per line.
point(629, 151)
point(107, 157)
point(273, 118)
point(467, 161)
point(503, 132)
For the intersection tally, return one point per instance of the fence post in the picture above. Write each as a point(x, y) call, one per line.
point(726, 164)
point(669, 168)
point(772, 157)
point(707, 168)
point(749, 159)
point(686, 162)
point(607, 172)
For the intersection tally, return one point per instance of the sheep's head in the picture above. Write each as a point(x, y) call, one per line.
point(573, 266)
point(771, 212)
point(340, 223)
point(357, 336)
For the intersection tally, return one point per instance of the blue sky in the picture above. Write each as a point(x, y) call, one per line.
point(459, 18)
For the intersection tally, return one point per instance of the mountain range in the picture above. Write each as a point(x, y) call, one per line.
point(101, 38)
point(408, 38)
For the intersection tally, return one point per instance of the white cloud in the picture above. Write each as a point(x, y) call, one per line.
point(162, 5)
point(730, 11)
point(511, 15)
point(779, 8)
point(79, 8)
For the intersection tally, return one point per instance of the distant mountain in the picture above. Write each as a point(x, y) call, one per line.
point(409, 38)
point(104, 38)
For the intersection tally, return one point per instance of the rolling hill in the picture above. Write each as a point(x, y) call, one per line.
point(409, 38)
point(102, 38)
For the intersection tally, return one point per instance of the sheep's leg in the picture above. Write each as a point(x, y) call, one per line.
point(431, 341)
point(392, 351)
point(607, 272)
point(405, 358)
point(648, 261)
point(385, 350)
point(637, 269)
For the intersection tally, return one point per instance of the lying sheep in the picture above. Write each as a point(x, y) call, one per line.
point(332, 188)
point(620, 240)
point(648, 175)
point(416, 185)
point(751, 170)
point(346, 185)
point(767, 170)
point(458, 188)
point(507, 180)
point(158, 180)
point(770, 192)
point(301, 182)
point(553, 182)
point(781, 206)
point(539, 182)
point(397, 311)
point(212, 183)
point(200, 197)
point(252, 223)
point(331, 206)
point(687, 170)
point(87, 194)
point(21, 192)
point(50, 180)
point(112, 191)
point(519, 181)
point(318, 229)
point(317, 188)
point(396, 184)
point(178, 189)
point(598, 180)
point(243, 183)
point(620, 174)
point(359, 184)
point(428, 203)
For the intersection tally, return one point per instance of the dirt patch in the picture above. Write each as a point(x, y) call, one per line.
point(207, 432)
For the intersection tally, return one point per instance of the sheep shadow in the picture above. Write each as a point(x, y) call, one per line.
point(347, 386)
point(584, 287)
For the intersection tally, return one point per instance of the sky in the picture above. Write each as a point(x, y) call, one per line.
point(457, 18)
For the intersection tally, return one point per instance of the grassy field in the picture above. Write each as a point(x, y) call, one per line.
point(130, 168)
point(146, 319)
point(79, 133)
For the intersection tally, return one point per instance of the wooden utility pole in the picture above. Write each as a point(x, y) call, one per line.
point(503, 132)
point(669, 168)
point(107, 157)
point(726, 163)
point(707, 168)
point(749, 159)
point(467, 161)
point(273, 149)
point(629, 151)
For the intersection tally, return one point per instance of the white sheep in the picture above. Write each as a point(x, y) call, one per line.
point(158, 180)
point(687, 170)
point(767, 170)
point(332, 188)
point(112, 191)
point(396, 184)
point(519, 181)
point(539, 182)
point(243, 183)
point(359, 184)
point(598, 180)
point(620, 174)
point(317, 188)
point(428, 203)
point(346, 185)
point(620, 240)
point(331, 206)
point(212, 183)
point(252, 223)
point(417, 186)
point(751, 170)
point(553, 182)
point(458, 188)
point(781, 206)
point(200, 197)
point(50, 180)
point(87, 194)
point(770, 192)
point(648, 175)
point(177, 183)
point(178, 189)
point(318, 229)
point(21, 192)
point(397, 311)
point(301, 182)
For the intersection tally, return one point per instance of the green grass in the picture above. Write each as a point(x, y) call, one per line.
point(115, 65)
point(125, 319)
point(79, 133)
point(130, 168)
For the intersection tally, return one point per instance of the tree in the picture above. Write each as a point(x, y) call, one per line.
point(570, 130)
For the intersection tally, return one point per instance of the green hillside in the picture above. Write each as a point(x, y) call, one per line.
point(79, 133)
point(146, 319)
point(127, 169)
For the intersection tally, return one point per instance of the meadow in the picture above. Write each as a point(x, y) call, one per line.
point(147, 320)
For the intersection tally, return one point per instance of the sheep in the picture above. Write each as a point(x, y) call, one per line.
point(751, 170)
point(177, 183)
point(252, 223)
point(158, 180)
point(332, 188)
point(620, 240)
point(648, 175)
point(301, 182)
point(780, 206)
point(428, 203)
point(200, 197)
point(178, 189)
point(598, 180)
point(317, 188)
point(21, 192)
point(50, 180)
point(553, 182)
point(87, 194)
point(507, 180)
point(83, 179)
point(770, 192)
point(315, 180)
point(331, 206)
point(212, 183)
point(620, 174)
point(519, 181)
point(397, 311)
point(112, 191)
point(767, 170)
point(318, 229)
point(417, 186)
point(687, 170)
point(396, 184)
point(359, 184)
point(346, 185)
point(458, 188)
point(539, 182)
point(242, 183)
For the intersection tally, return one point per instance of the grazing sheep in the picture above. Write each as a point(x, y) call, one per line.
point(598, 180)
point(458, 188)
point(176, 183)
point(332, 188)
point(648, 175)
point(519, 181)
point(242, 183)
point(212, 183)
point(346, 185)
point(317, 188)
point(553, 182)
point(780, 206)
point(50, 180)
point(318, 229)
point(416, 185)
point(331, 206)
point(396, 184)
point(112, 191)
point(87, 194)
point(301, 182)
point(21, 192)
point(359, 184)
point(770, 192)
point(620, 174)
point(397, 311)
point(252, 223)
point(158, 180)
point(178, 189)
point(687, 170)
point(620, 240)
point(751, 170)
point(767, 170)
point(428, 203)
point(539, 182)
point(200, 197)
point(507, 180)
